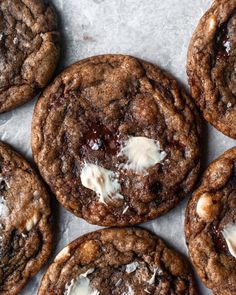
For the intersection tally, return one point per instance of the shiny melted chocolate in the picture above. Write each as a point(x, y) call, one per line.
point(99, 137)
point(218, 238)
point(223, 43)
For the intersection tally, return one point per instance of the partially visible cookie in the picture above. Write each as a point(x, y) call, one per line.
point(29, 50)
point(210, 226)
point(118, 261)
point(211, 66)
point(117, 140)
point(25, 222)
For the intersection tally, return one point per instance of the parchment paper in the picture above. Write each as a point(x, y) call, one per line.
point(155, 30)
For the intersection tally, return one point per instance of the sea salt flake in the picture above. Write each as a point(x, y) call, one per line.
point(15, 41)
point(229, 105)
point(227, 46)
point(152, 279)
point(131, 267)
point(125, 210)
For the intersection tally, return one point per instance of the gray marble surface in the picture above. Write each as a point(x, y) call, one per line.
point(155, 30)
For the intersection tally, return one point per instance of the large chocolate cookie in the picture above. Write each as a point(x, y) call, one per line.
point(29, 50)
point(118, 261)
point(212, 66)
point(211, 226)
point(117, 140)
point(25, 222)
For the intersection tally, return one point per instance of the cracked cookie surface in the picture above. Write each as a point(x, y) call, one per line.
point(29, 50)
point(117, 140)
point(118, 261)
point(25, 222)
point(211, 66)
point(210, 225)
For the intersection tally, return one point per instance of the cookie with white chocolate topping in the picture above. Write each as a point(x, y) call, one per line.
point(25, 222)
point(210, 225)
point(211, 66)
point(117, 140)
point(118, 261)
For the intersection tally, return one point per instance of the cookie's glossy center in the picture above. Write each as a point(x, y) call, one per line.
point(99, 137)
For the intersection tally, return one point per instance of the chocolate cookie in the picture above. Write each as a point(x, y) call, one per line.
point(29, 50)
point(117, 140)
point(211, 66)
point(25, 222)
point(118, 261)
point(211, 226)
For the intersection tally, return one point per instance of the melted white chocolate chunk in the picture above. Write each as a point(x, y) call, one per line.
point(81, 286)
point(101, 181)
point(142, 153)
point(65, 253)
point(203, 205)
point(229, 233)
point(32, 221)
point(206, 208)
